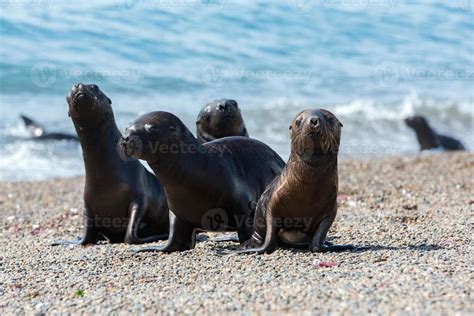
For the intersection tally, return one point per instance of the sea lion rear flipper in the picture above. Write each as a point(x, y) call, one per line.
point(450, 143)
point(137, 212)
point(271, 237)
point(33, 127)
point(182, 237)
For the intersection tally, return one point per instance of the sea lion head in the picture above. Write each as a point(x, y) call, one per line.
point(88, 105)
point(315, 134)
point(416, 122)
point(427, 138)
point(156, 135)
point(220, 118)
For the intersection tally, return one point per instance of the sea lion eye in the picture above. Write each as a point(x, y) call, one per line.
point(298, 122)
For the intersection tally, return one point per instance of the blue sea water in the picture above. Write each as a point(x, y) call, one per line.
point(371, 62)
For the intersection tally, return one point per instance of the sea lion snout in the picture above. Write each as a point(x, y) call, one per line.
point(314, 123)
point(222, 106)
point(81, 96)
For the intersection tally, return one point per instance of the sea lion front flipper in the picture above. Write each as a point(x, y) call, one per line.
point(137, 212)
point(318, 244)
point(182, 237)
point(34, 128)
point(91, 235)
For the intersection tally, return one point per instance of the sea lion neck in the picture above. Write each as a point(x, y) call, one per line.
point(176, 161)
point(316, 164)
point(100, 143)
point(427, 138)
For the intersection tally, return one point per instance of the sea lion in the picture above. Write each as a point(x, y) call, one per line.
point(220, 118)
point(300, 205)
point(218, 181)
point(38, 132)
point(123, 201)
point(428, 138)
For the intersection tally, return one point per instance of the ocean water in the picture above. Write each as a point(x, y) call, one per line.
point(371, 62)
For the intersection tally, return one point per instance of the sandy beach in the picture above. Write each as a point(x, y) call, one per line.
point(414, 213)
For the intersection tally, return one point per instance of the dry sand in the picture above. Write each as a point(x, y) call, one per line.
point(414, 212)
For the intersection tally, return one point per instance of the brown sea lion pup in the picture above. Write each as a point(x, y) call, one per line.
point(220, 118)
point(300, 205)
point(428, 138)
point(212, 186)
point(123, 201)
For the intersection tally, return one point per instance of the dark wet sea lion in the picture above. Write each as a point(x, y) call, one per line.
point(38, 132)
point(300, 205)
point(210, 186)
point(428, 138)
point(220, 118)
point(123, 201)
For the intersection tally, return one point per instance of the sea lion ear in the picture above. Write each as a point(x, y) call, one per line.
point(290, 127)
point(69, 113)
point(110, 101)
point(340, 124)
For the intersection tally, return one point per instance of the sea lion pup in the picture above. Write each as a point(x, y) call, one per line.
point(123, 201)
point(219, 180)
point(220, 118)
point(428, 138)
point(38, 132)
point(300, 204)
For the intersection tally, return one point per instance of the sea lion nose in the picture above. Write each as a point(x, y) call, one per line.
point(124, 140)
point(222, 106)
point(314, 121)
